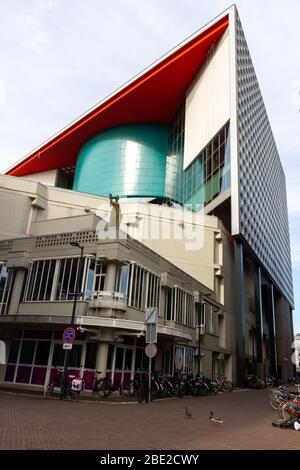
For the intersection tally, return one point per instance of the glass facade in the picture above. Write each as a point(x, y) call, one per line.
point(128, 160)
point(146, 160)
point(206, 177)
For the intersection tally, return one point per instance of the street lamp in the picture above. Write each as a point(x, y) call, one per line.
point(200, 333)
point(76, 294)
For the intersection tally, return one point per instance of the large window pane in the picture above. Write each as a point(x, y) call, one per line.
point(128, 359)
point(75, 356)
point(90, 279)
point(58, 355)
point(27, 352)
point(50, 279)
point(13, 351)
point(37, 280)
point(123, 274)
point(42, 353)
point(119, 359)
point(90, 356)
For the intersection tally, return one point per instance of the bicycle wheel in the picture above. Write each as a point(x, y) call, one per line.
point(227, 386)
point(287, 412)
point(104, 388)
point(49, 390)
point(274, 400)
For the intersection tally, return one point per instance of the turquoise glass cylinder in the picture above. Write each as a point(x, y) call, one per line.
point(129, 161)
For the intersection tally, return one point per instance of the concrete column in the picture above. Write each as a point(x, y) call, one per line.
point(272, 331)
point(284, 337)
point(239, 306)
point(101, 358)
point(259, 321)
point(16, 292)
point(162, 303)
point(110, 278)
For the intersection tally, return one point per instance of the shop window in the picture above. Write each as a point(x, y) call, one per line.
point(110, 356)
point(42, 353)
point(90, 355)
point(27, 352)
point(13, 351)
point(75, 356)
point(128, 359)
point(58, 357)
point(119, 359)
point(138, 358)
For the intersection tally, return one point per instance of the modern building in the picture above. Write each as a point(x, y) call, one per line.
point(191, 130)
point(297, 353)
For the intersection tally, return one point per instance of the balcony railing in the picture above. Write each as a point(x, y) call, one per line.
point(108, 300)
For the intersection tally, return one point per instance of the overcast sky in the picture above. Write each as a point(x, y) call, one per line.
point(60, 57)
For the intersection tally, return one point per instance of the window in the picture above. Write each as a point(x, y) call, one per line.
point(211, 319)
point(67, 278)
point(53, 279)
point(100, 275)
point(121, 280)
point(27, 361)
point(6, 281)
point(14, 351)
point(75, 356)
point(27, 352)
point(58, 357)
point(42, 353)
point(90, 355)
point(180, 306)
point(143, 288)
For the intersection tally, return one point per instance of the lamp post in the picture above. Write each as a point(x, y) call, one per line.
point(200, 314)
point(76, 294)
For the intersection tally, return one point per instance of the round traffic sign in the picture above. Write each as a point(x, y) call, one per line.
point(69, 335)
point(151, 350)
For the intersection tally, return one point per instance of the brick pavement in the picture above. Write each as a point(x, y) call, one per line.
point(35, 423)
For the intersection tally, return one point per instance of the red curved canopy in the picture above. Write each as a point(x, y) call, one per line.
point(151, 97)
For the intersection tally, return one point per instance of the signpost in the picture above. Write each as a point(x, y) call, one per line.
point(68, 337)
point(151, 340)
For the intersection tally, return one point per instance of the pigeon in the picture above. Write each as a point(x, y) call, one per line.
point(214, 419)
point(188, 414)
point(296, 426)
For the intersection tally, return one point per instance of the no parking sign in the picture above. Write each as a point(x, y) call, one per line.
point(69, 335)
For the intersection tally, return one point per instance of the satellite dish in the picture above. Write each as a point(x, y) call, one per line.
point(2, 352)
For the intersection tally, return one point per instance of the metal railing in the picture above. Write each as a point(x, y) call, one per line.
point(109, 295)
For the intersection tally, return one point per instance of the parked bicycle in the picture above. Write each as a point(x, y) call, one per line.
point(102, 385)
point(71, 389)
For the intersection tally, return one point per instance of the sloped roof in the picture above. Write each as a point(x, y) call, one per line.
point(152, 96)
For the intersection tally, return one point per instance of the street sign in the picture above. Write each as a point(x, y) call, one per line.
point(151, 325)
point(67, 346)
point(151, 333)
point(69, 335)
point(151, 350)
point(151, 315)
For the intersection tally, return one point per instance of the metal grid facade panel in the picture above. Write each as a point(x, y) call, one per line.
point(262, 190)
